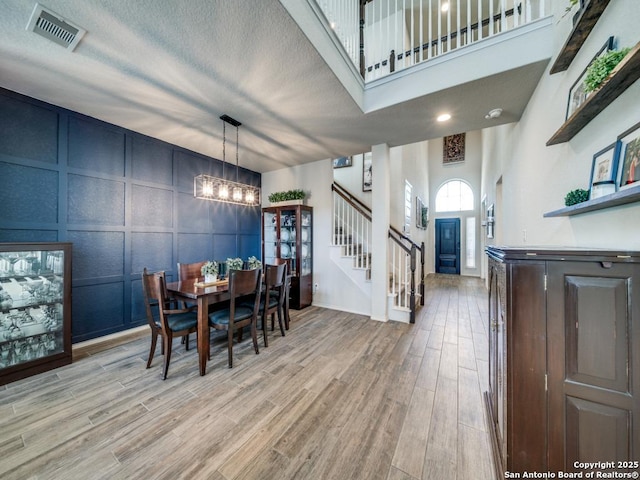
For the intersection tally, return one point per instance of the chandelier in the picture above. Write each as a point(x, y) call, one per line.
point(220, 189)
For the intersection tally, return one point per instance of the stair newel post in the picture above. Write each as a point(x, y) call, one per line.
point(412, 298)
point(422, 252)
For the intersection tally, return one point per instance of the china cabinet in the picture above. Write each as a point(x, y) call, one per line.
point(35, 308)
point(287, 233)
point(564, 337)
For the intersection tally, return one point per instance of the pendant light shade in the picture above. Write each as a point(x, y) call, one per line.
point(207, 187)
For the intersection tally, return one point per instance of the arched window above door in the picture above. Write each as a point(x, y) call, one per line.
point(454, 196)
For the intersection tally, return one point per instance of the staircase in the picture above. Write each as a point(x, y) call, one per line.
point(352, 254)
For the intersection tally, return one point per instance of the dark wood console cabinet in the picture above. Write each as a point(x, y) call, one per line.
point(564, 358)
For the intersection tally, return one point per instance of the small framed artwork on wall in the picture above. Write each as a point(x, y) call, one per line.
point(603, 172)
point(341, 162)
point(453, 149)
point(367, 172)
point(629, 158)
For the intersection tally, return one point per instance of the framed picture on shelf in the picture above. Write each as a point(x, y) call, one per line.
point(628, 151)
point(367, 173)
point(341, 162)
point(577, 94)
point(603, 172)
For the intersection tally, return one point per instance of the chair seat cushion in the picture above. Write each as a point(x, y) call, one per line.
point(182, 321)
point(273, 302)
point(221, 317)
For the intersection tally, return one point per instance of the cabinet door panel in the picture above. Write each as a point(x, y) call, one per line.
point(593, 324)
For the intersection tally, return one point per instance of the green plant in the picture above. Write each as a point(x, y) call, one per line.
point(288, 195)
point(234, 264)
point(576, 196)
point(254, 263)
point(601, 67)
point(209, 268)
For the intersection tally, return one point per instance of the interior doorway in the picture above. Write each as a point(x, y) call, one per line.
point(448, 245)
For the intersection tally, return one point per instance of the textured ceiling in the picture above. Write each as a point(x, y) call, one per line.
point(169, 69)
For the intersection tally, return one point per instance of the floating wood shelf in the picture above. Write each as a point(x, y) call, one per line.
point(622, 197)
point(621, 78)
point(588, 17)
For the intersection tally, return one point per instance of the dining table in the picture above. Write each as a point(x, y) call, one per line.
point(191, 290)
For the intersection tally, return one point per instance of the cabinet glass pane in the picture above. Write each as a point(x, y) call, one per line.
point(270, 237)
point(31, 305)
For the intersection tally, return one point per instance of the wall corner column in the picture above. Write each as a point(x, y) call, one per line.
point(380, 219)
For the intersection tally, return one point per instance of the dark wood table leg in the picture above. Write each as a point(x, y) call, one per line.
point(203, 333)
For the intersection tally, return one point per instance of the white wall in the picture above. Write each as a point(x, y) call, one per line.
point(351, 179)
point(334, 288)
point(471, 172)
point(536, 177)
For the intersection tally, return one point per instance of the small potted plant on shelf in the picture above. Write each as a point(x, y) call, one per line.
point(600, 69)
point(290, 197)
point(254, 263)
point(210, 272)
point(234, 264)
point(576, 196)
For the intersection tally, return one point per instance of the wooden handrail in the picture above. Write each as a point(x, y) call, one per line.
point(443, 39)
point(351, 200)
point(398, 237)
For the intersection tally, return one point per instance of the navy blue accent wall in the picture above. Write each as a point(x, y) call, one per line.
point(123, 199)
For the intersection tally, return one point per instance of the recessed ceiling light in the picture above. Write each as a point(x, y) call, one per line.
point(445, 7)
point(443, 117)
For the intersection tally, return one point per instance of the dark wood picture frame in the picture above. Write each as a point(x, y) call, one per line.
point(577, 96)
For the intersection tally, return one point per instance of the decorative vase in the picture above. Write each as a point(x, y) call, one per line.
point(210, 278)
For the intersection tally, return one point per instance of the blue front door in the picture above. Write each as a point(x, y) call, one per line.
point(448, 245)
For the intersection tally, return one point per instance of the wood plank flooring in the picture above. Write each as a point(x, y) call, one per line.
point(340, 397)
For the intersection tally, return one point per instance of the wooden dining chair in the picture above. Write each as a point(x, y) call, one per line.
point(287, 289)
point(237, 315)
point(169, 322)
point(272, 301)
point(187, 271)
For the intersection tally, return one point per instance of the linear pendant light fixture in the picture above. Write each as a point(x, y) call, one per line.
point(220, 189)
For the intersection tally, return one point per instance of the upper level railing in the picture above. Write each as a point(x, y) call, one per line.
point(383, 36)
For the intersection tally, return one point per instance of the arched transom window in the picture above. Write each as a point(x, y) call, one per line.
point(454, 196)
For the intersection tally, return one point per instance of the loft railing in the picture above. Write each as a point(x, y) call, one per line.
point(383, 36)
point(352, 232)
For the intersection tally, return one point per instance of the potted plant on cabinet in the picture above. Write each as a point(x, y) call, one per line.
point(289, 197)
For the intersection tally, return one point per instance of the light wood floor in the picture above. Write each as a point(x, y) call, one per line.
point(340, 397)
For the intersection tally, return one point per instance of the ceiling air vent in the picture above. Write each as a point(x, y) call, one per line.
point(52, 26)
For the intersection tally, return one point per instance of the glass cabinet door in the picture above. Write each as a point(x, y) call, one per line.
point(33, 285)
point(288, 238)
point(270, 235)
point(305, 242)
